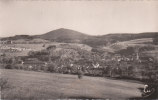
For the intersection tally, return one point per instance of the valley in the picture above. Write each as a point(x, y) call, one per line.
point(108, 65)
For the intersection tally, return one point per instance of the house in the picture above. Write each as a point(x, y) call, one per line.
point(6, 42)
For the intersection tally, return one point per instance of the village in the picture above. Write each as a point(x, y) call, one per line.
point(67, 60)
point(78, 50)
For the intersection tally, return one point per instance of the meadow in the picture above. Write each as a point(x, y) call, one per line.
point(38, 85)
point(132, 43)
point(38, 47)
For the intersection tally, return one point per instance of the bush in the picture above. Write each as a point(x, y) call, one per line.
point(18, 66)
point(52, 67)
point(8, 66)
point(4, 83)
point(80, 74)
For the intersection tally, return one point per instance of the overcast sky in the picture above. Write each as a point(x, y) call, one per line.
point(91, 17)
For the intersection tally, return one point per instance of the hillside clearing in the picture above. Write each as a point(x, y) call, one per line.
point(25, 48)
point(131, 43)
point(38, 85)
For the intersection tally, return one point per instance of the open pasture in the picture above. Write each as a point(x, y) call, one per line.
point(39, 85)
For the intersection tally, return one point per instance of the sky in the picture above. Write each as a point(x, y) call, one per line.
point(93, 17)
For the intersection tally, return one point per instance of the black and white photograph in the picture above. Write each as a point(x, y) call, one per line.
point(78, 49)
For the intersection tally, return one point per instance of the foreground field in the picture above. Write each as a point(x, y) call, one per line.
point(38, 85)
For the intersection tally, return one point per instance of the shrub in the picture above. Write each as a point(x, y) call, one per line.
point(18, 66)
point(52, 67)
point(80, 74)
point(4, 83)
point(8, 66)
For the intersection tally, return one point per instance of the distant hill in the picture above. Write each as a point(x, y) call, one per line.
point(131, 43)
point(128, 36)
point(16, 37)
point(118, 37)
point(70, 36)
point(64, 35)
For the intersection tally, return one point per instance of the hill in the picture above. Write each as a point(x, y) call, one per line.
point(128, 36)
point(17, 37)
point(22, 47)
point(131, 43)
point(70, 36)
point(30, 41)
point(64, 35)
point(145, 45)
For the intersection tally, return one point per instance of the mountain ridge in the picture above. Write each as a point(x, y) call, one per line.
point(72, 36)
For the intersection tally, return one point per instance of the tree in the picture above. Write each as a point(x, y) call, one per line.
point(8, 66)
point(155, 40)
point(51, 48)
point(52, 67)
point(136, 49)
point(147, 48)
point(127, 51)
point(80, 74)
point(31, 53)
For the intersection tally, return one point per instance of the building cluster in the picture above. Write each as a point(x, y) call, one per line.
point(12, 49)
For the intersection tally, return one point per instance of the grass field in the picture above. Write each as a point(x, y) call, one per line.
point(131, 43)
point(38, 85)
point(38, 47)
